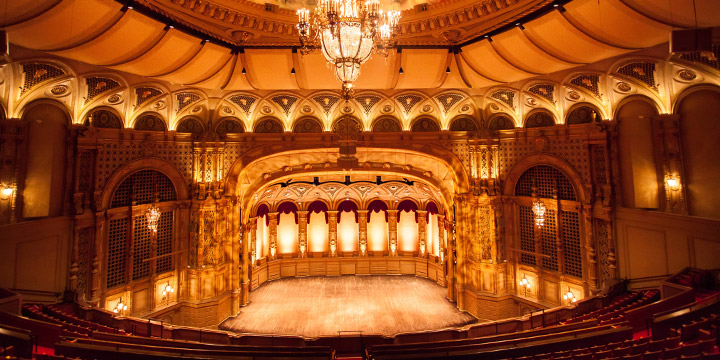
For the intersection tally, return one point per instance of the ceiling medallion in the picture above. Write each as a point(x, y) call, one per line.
point(623, 87)
point(347, 31)
point(494, 107)
point(686, 75)
point(306, 109)
point(159, 105)
point(387, 108)
point(531, 101)
point(114, 98)
point(427, 108)
point(227, 110)
point(465, 108)
point(266, 109)
point(59, 90)
point(573, 95)
point(347, 109)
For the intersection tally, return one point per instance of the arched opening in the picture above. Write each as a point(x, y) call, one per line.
point(150, 122)
point(262, 240)
point(317, 232)
point(269, 125)
point(104, 118)
point(348, 228)
point(539, 118)
point(377, 226)
point(425, 124)
point(386, 124)
point(433, 229)
point(229, 125)
point(287, 228)
point(638, 171)
point(582, 114)
point(190, 125)
point(308, 125)
point(43, 185)
point(699, 131)
point(553, 244)
point(407, 227)
point(501, 122)
point(463, 123)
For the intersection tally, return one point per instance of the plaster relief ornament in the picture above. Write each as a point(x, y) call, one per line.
point(623, 87)
point(114, 99)
point(59, 90)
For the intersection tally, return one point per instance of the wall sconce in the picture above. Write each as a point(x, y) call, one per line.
point(672, 183)
point(6, 192)
point(168, 289)
point(120, 307)
point(525, 283)
point(569, 296)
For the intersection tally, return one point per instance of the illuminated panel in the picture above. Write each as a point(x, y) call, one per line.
point(407, 231)
point(348, 231)
point(261, 243)
point(317, 233)
point(377, 232)
point(287, 233)
point(433, 224)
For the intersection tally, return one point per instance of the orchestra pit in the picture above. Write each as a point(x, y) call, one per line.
point(352, 179)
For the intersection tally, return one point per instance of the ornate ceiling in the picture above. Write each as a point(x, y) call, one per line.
point(242, 45)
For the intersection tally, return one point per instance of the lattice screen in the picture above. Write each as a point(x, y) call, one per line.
point(546, 179)
point(37, 73)
point(527, 235)
point(164, 242)
point(141, 187)
point(548, 236)
point(208, 248)
point(571, 241)
point(82, 259)
point(141, 248)
point(117, 241)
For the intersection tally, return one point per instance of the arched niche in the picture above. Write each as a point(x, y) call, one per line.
point(262, 233)
point(347, 227)
point(561, 165)
point(103, 117)
point(386, 124)
point(269, 125)
point(407, 226)
point(463, 123)
point(150, 121)
point(539, 118)
point(229, 125)
point(317, 231)
point(156, 164)
point(43, 192)
point(501, 122)
point(425, 124)
point(699, 112)
point(308, 125)
point(190, 125)
point(433, 230)
point(377, 227)
point(638, 170)
point(583, 113)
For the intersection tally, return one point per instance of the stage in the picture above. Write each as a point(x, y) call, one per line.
point(318, 306)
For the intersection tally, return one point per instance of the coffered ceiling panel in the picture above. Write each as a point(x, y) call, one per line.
point(204, 65)
point(557, 36)
point(127, 39)
point(67, 23)
point(683, 13)
point(612, 21)
point(269, 69)
point(315, 72)
point(517, 49)
point(422, 68)
point(172, 52)
point(379, 72)
point(482, 57)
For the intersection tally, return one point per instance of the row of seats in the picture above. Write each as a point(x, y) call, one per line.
point(615, 311)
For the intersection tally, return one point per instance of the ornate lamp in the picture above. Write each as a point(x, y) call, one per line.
point(525, 283)
point(569, 296)
point(153, 215)
point(120, 307)
point(347, 31)
point(538, 208)
point(168, 290)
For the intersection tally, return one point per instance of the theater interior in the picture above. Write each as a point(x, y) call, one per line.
point(382, 179)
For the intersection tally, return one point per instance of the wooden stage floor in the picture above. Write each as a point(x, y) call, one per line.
point(317, 306)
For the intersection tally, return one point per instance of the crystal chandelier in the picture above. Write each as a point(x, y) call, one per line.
point(152, 215)
point(347, 31)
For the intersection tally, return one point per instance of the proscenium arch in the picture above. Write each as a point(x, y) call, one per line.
point(162, 166)
point(262, 153)
point(550, 160)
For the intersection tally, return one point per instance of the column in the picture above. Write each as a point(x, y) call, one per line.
point(422, 232)
point(362, 228)
point(332, 229)
point(252, 236)
point(302, 232)
point(392, 231)
point(450, 263)
point(97, 259)
point(441, 237)
point(590, 254)
point(272, 235)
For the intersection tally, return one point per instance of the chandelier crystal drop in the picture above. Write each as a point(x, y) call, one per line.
point(347, 32)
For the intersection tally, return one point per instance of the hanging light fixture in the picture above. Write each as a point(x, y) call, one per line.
point(120, 307)
point(525, 283)
point(153, 215)
point(168, 290)
point(538, 208)
point(347, 31)
point(569, 296)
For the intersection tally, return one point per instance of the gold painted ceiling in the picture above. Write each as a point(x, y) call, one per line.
point(207, 44)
